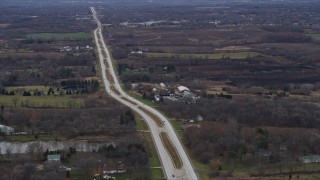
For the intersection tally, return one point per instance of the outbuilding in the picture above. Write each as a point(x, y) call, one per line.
point(310, 159)
point(53, 157)
point(182, 89)
point(6, 129)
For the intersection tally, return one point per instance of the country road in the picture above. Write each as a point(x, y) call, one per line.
point(157, 123)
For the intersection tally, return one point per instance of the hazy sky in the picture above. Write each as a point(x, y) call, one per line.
point(144, 2)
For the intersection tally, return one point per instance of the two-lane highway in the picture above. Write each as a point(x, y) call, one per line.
point(150, 115)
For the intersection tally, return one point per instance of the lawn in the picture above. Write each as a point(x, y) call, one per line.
point(122, 176)
point(157, 173)
point(80, 175)
point(60, 36)
point(314, 36)
point(237, 55)
point(177, 126)
point(239, 168)
point(140, 124)
point(154, 161)
point(141, 99)
point(155, 165)
point(41, 101)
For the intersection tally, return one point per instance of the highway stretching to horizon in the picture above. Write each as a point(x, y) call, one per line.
point(157, 122)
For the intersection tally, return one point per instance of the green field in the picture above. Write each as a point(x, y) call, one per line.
point(157, 173)
point(140, 123)
point(60, 36)
point(122, 176)
point(27, 88)
point(177, 126)
point(314, 36)
point(143, 100)
point(238, 55)
point(41, 101)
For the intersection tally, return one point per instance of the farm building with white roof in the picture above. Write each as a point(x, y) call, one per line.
point(182, 89)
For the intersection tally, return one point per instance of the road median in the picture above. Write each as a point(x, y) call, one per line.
point(171, 150)
point(155, 118)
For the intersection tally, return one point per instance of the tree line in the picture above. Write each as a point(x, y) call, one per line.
point(250, 111)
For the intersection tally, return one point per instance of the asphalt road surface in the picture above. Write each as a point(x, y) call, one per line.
point(170, 171)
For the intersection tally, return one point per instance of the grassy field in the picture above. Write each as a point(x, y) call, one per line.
point(141, 99)
point(27, 88)
point(157, 173)
point(314, 36)
point(177, 126)
point(238, 55)
point(154, 162)
point(60, 36)
point(140, 124)
point(41, 101)
point(122, 176)
point(80, 175)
